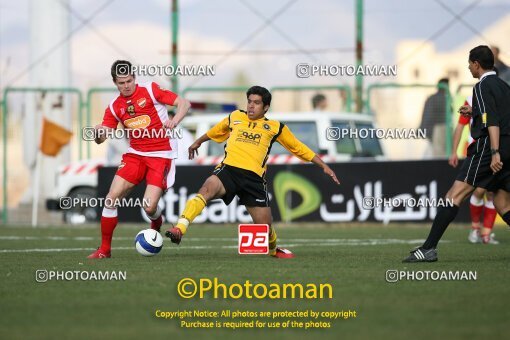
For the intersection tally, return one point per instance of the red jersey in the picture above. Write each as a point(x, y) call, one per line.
point(144, 109)
point(465, 120)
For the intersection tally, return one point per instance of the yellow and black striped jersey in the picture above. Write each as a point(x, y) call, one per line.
point(249, 141)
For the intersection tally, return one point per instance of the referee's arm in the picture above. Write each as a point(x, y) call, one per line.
point(492, 123)
point(496, 164)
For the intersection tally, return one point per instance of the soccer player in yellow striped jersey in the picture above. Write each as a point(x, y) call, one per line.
point(249, 136)
point(249, 141)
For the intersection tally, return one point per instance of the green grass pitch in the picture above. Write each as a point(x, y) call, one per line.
point(352, 259)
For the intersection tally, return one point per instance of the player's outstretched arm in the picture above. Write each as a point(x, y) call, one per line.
point(193, 149)
point(493, 121)
point(183, 106)
point(327, 170)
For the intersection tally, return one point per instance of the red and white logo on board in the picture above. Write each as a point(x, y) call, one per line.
point(253, 239)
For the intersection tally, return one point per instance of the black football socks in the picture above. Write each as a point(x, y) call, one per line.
point(444, 217)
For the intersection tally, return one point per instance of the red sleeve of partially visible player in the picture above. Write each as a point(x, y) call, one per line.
point(464, 120)
point(109, 119)
point(163, 96)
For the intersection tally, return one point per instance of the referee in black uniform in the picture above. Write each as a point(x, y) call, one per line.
point(488, 162)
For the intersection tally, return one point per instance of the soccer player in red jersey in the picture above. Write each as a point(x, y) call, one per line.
point(476, 202)
point(139, 108)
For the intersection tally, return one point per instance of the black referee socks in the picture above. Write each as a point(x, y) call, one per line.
point(444, 217)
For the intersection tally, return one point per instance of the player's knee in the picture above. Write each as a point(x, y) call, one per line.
point(490, 196)
point(263, 220)
point(479, 193)
point(205, 192)
point(110, 201)
point(150, 209)
point(458, 194)
point(209, 190)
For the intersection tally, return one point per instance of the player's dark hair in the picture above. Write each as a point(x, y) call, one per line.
point(319, 97)
point(122, 68)
point(261, 91)
point(483, 55)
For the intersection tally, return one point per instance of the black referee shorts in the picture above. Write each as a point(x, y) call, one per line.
point(247, 185)
point(476, 170)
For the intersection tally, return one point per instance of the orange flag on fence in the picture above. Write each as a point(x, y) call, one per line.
point(53, 138)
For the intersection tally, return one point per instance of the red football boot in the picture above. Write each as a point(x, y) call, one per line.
point(100, 254)
point(156, 224)
point(282, 253)
point(175, 234)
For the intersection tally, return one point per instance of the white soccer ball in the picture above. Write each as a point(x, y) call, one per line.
point(148, 242)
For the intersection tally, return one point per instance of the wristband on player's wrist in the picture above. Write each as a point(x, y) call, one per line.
point(494, 151)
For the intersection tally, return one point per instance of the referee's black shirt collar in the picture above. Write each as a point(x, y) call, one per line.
point(490, 73)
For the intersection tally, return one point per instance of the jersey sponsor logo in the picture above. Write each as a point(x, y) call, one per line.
point(139, 122)
point(141, 102)
point(267, 127)
point(248, 137)
point(253, 239)
point(237, 122)
point(131, 110)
